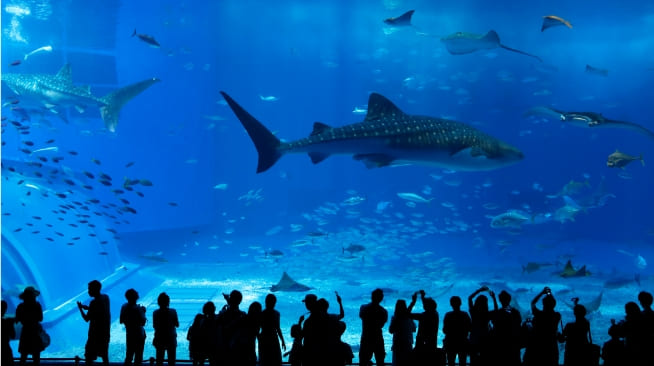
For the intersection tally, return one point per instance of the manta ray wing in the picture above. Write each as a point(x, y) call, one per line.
point(550, 21)
point(286, 283)
point(461, 43)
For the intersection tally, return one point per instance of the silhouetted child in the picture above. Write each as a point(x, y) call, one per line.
point(165, 323)
point(295, 353)
point(201, 334)
point(133, 316)
point(456, 326)
point(30, 314)
point(344, 351)
point(613, 352)
point(8, 333)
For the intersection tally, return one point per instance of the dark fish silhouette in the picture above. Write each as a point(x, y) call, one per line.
point(597, 71)
point(147, 39)
point(287, 284)
point(387, 136)
point(569, 271)
point(589, 120)
point(461, 43)
point(620, 160)
point(550, 21)
point(401, 21)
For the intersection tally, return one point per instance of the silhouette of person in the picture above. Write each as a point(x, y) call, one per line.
point(577, 338)
point(456, 327)
point(480, 335)
point(270, 354)
point(201, 334)
point(542, 347)
point(613, 352)
point(311, 336)
point(402, 328)
point(30, 314)
point(230, 320)
point(245, 339)
point(295, 353)
point(631, 329)
point(165, 324)
point(425, 349)
point(645, 298)
point(373, 317)
point(506, 333)
point(343, 350)
point(133, 316)
point(8, 333)
point(98, 315)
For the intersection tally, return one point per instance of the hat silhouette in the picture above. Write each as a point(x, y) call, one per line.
point(29, 291)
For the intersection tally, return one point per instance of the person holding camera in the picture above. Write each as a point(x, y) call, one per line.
point(133, 316)
point(542, 345)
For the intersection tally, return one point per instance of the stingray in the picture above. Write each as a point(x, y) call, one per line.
point(589, 120)
point(460, 43)
point(287, 284)
point(569, 271)
point(401, 21)
point(550, 21)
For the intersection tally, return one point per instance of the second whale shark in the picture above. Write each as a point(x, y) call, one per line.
point(387, 136)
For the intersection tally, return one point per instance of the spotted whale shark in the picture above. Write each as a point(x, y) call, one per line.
point(56, 92)
point(387, 136)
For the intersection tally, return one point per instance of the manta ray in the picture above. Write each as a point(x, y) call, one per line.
point(401, 21)
point(287, 284)
point(550, 21)
point(589, 120)
point(461, 43)
point(569, 271)
point(387, 136)
point(55, 92)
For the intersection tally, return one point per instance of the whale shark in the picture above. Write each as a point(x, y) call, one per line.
point(590, 120)
point(387, 136)
point(461, 43)
point(57, 92)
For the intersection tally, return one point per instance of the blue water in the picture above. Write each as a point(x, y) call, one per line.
point(320, 60)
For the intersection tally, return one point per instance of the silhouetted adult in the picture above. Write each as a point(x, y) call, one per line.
point(506, 333)
point(311, 332)
point(402, 328)
point(645, 298)
point(631, 328)
point(480, 336)
point(30, 314)
point(98, 315)
point(244, 347)
point(201, 335)
point(165, 323)
point(542, 347)
point(8, 333)
point(424, 352)
point(133, 316)
point(456, 327)
point(230, 320)
point(577, 339)
point(613, 352)
point(270, 354)
point(373, 317)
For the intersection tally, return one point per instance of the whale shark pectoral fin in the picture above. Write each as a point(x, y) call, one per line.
point(317, 157)
point(374, 160)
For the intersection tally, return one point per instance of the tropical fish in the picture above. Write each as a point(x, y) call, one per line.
point(620, 160)
point(387, 136)
point(569, 271)
point(461, 43)
point(47, 48)
point(591, 120)
point(550, 21)
point(54, 92)
point(269, 98)
point(354, 248)
point(402, 20)
point(596, 71)
point(147, 39)
point(287, 284)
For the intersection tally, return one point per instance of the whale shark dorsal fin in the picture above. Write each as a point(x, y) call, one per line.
point(379, 107)
point(65, 73)
point(319, 127)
